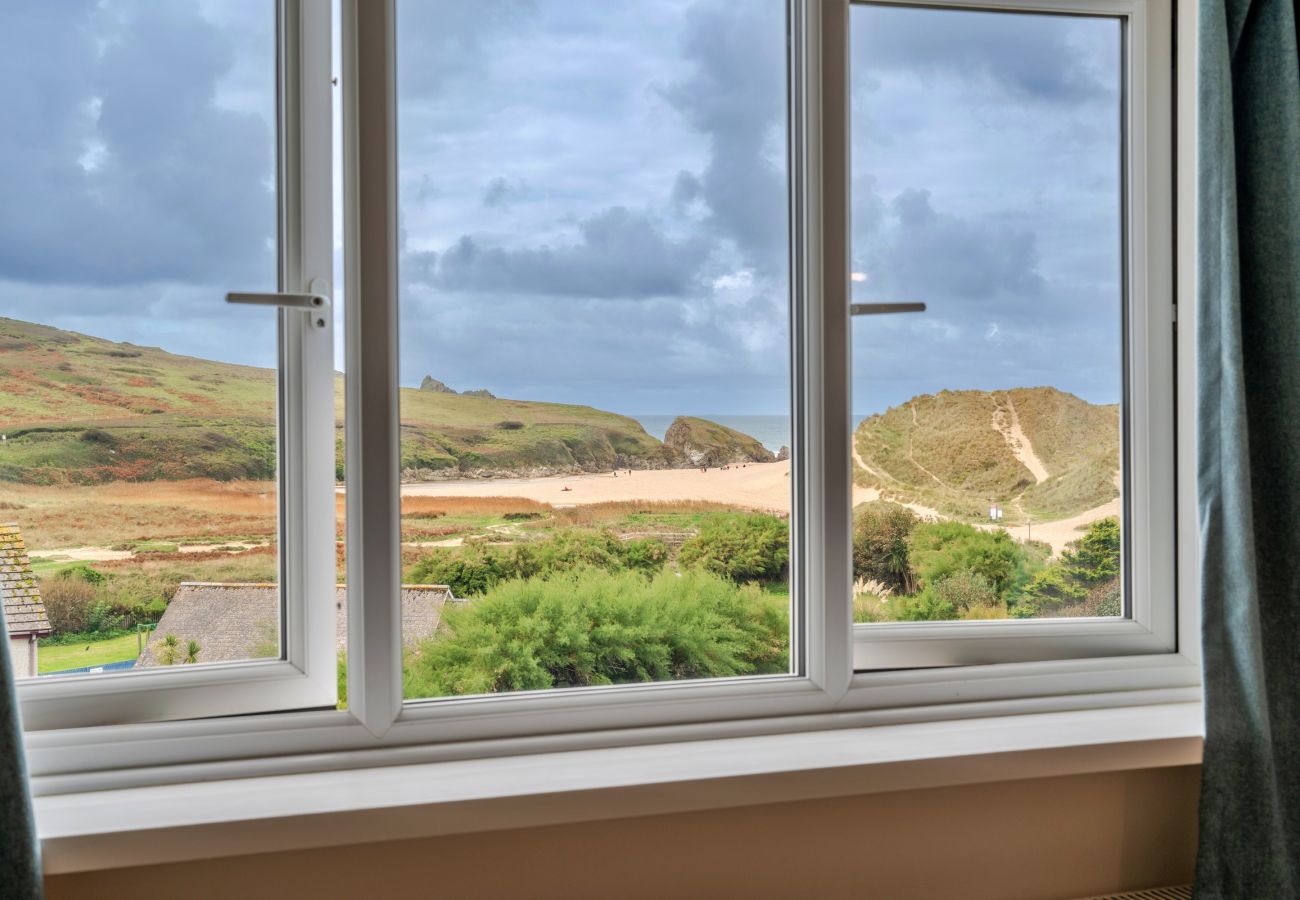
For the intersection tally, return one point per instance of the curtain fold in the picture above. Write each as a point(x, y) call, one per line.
point(1249, 448)
point(20, 863)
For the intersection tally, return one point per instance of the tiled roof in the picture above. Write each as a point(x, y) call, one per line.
point(233, 622)
point(24, 611)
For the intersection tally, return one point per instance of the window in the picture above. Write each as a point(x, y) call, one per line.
point(1007, 438)
point(601, 373)
point(163, 448)
point(594, 302)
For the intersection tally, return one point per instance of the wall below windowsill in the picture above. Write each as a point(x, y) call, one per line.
point(207, 820)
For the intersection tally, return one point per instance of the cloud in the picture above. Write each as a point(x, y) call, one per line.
point(736, 97)
point(120, 164)
point(1037, 57)
point(502, 192)
point(918, 253)
point(618, 253)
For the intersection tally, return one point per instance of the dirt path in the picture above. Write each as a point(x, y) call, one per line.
point(1014, 435)
point(105, 554)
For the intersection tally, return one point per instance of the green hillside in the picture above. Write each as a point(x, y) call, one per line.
point(80, 409)
point(955, 451)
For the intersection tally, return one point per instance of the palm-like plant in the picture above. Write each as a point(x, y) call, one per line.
point(192, 649)
point(168, 650)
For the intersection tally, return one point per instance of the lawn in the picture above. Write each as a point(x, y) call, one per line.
point(94, 653)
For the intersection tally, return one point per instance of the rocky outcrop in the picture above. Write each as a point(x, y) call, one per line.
point(783, 454)
point(699, 442)
point(435, 386)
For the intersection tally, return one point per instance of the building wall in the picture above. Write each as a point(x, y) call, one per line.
point(22, 654)
point(1041, 839)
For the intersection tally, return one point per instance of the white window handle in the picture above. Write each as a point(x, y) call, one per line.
point(311, 303)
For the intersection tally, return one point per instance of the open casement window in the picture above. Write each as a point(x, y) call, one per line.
point(1013, 449)
point(215, 189)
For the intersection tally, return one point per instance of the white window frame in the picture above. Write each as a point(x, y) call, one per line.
point(823, 692)
point(305, 675)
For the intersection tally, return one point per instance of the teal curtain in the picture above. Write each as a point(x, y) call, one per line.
point(1249, 448)
point(20, 862)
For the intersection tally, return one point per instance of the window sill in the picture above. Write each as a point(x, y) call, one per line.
point(172, 823)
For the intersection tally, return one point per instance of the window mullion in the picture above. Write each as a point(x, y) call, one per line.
point(370, 238)
point(820, 163)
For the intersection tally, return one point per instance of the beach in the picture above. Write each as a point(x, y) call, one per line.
point(759, 486)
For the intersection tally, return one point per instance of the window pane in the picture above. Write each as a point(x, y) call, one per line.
point(986, 184)
point(594, 348)
point(137, 409)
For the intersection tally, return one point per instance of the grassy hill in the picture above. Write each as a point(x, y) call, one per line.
point(1039, 452)
point(80, 409)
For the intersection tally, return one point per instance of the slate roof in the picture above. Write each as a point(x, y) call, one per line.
point(24, 611)
point(235, 621)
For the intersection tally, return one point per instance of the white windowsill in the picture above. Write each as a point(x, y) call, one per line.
point(171, 823)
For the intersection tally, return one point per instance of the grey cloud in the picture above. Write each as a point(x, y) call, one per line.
point(928, 255)
point(501, 192)
point(736, 96)
point(437, 42)
point(119, 166)
point(1032, 56)
point(621, 253)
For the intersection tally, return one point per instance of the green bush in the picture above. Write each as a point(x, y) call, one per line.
point(956, 596)
point(742, 548)
point(1085, 581)
point(880, 545)
point(939, 550)
point(591, 628)
point(475, 569)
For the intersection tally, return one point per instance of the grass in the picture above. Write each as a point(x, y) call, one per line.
point(77, 409)
point(95, 653)
point(942, 451)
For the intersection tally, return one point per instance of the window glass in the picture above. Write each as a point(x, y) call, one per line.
point(986, 175)
point(595, 403)
point(138, 445)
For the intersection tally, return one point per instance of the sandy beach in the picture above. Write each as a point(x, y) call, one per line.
point(761, 486)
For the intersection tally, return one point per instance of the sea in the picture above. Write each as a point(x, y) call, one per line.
point(773, 432)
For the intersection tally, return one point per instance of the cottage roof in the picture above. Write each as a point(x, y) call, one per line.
point(24, 611)
point(240, 621)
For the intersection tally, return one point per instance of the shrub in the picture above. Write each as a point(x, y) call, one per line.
point(475, 569)
point(68, 602)
point(880, 548)
point(963, 594)
point(510, 425)
point(591, 628)
point(939, 550)
point(742, 548)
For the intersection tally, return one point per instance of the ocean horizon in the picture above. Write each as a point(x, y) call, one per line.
point(773, 432)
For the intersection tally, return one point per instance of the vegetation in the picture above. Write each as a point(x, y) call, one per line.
point(952, 451)
point(592, 628)
point(742, 548)
point(476, 569)
point(911, 570)
point(76, 409)
point(85, 653)
point(1084, 582)
point(880, 546)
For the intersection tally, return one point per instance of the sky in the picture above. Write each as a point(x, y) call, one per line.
point(593, 195)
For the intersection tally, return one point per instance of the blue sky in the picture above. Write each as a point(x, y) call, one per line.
point(593, 194)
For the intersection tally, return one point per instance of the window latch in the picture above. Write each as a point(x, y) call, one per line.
point(884, 309)
point(312, 303)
